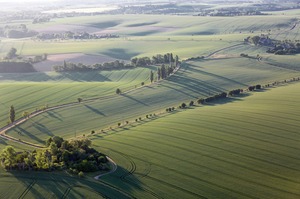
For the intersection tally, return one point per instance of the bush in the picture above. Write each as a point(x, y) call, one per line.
point(191, 103)
point(136, 120)
point(92, 132)
point(81, 174)
point(200, 101)
point(143, 83)
point(183, 105)
point(140, 118)
point(119, 124)
point(258, 87)
point(251, 88)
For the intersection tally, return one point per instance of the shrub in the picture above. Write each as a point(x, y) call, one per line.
point(191, 103)
point(143, 83)
point(173, 108)
point(183, 105)
point(140, 118)
point(136, 120)
point(251, 88)
point(92, 132)
point(119, 124)
point(170, 109)
point(200, 101)
point(81, 174)
point(258, 87)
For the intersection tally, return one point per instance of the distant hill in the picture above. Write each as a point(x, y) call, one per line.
point(16, 67)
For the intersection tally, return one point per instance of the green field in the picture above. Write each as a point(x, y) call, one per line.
point(141, 35)
point(238, 148)
point(193, 80)
point(30, 91)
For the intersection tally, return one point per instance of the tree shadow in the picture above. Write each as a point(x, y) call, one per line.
point(31, 136)
point(52, 114)
point(138, 101)
point(85, 76)
point(119, 53)
point(95, 110)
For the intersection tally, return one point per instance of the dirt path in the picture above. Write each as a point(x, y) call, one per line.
point(114, 168)
point(211, 54)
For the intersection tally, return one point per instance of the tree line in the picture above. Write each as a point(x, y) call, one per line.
point(75, 155)
point(119, 65)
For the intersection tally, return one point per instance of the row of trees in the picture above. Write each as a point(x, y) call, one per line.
point(157, 59)
point(117, 65)
point(60, 154)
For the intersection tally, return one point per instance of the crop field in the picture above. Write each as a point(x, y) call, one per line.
point(30, 91)
point(186, 36)
point(195, 79)
point(245, 146)
point(237, 148)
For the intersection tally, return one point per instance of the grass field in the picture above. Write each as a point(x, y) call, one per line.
point(194, 80)
point(30, 91)
point(141, 35)
point(237, 148)
point(242, 147)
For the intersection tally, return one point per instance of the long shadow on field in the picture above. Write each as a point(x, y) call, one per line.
point(45, 184)
point(95, 110)
point(85, 76)
point(42, 128)
point(138, 101)
point(119, 53)
point(192, 69)
point(31, 136)
point(54, 115)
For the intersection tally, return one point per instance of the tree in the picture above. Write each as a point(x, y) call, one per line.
point(118, 91)
point(176, 60)
point(8, 156)
point(11, 53)
point(151, 76)
point(25, 114)
point(191, 103)
point(163, 72)
point(158, 74)
point(183, 105)
point(12, 114)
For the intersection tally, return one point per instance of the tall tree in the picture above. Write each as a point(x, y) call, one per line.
point(163, 72)
point(12, 114)
point(158, 74)
point(151, 76)
point(176, 60)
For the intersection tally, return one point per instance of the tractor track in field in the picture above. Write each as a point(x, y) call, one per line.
point(29, 187)
point(132, 171)
point(69, 189)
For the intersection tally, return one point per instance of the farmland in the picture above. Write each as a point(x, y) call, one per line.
point(244, 146)
point(213, 155)
point(194, 80)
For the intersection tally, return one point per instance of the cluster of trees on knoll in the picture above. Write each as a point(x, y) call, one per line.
point(118, 65)
point(75, 155)
point(286, 47)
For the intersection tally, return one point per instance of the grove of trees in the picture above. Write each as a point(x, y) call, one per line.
point(75, 155)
